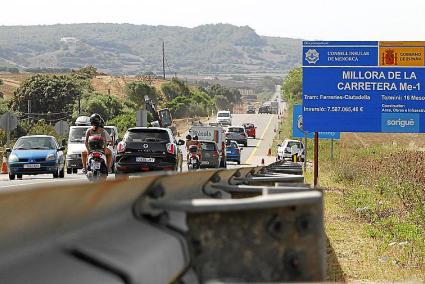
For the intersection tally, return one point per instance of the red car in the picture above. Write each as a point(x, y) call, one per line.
point(249, 129)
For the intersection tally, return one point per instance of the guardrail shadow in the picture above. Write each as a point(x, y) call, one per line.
point(334, 271)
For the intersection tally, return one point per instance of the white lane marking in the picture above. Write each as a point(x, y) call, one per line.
point(38, 182)
point(248, 161)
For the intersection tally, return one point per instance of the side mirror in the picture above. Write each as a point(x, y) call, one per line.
point(8, 150)
point(180, 142)
point(62, 148)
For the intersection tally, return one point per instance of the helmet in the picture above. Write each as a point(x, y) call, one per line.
point(96, 120)
point(188, 137)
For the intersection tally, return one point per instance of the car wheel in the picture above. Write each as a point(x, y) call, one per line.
point(75, 170)
point(68, 171)
point(11, 176)
point(62, 173)
point(239, 162)
point(19, 176)
point(245, 143)
point(56, 174)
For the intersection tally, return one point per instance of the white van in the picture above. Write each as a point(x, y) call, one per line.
point(224, 117)
point(77, 135)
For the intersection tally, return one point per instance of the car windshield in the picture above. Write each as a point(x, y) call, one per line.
point(77, 134)
point(236, 129)
point(27, 143)
point(292, 143)
point(146, 135)
point(208, 146)
point(223, 114)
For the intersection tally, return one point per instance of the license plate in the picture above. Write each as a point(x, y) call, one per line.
point(145, 160)
point(96, 166)
point(205, 162)
point(229, 152)
point(31, 166)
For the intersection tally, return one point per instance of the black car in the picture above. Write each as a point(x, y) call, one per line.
point(264, 109)
point(148, 149)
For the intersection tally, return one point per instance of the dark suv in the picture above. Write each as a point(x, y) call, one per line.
point(148, 149)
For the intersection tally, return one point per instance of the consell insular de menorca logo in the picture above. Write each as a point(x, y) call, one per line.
point(312, 56)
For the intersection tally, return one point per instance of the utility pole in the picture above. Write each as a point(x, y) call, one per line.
point(29, 109)
point(163, 59)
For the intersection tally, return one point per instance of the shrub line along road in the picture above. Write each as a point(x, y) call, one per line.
point(251, 155)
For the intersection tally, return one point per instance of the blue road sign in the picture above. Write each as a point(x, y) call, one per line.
point(364, 87)
point(297, 133)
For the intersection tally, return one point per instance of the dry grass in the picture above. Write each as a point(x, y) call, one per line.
point(101, 84)
point(374, 205)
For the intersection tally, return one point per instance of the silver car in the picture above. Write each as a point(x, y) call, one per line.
point(238, 134)
point(210, 157)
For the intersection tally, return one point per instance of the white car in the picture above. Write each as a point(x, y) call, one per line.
point(290, 147)
point(224, 117)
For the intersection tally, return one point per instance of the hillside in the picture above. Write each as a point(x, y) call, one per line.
point(137, 49)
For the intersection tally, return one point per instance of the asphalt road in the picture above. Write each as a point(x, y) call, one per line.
point(250, 155)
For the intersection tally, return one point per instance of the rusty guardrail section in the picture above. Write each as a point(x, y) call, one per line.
point(258, 224)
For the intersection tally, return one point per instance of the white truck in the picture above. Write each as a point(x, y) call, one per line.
point(274, 107)
point(212, 132)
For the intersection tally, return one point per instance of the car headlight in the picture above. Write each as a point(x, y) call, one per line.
point(51, 157)
point(13, 158)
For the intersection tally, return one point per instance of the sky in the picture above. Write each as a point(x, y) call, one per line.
point(305, 19)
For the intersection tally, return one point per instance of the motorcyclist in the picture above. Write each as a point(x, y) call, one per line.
point(97, 129)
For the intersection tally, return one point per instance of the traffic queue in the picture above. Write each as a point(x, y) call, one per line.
point(97, 150)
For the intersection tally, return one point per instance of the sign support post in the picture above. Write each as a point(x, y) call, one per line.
point(305, 151)
point(316, 159)
point(332, 149)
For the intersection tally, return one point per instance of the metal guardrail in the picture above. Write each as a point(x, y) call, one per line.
point(239, 225)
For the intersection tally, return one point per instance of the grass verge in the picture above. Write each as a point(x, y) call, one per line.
point(374, 209)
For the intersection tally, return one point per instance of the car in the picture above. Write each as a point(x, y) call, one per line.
point(265, 109)
point(250, 129)
point(76, 138)
point(145, 149)
point(36, 154)
point(224, 117)
point(214, 133)
point(288, 147)
point(210, 157)
point(251, 109)
point(238, 134)
point(113, 134)
point(233, 151)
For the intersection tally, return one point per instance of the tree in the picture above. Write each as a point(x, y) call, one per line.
point(55, 94)
point(292, 85)
point(107, 106)
point(175, 88)
point(136, 92)
point(123, 121)
point(222, 102)
point(87, 72)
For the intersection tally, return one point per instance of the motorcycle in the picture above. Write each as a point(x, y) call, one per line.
point(96, 160)
point(193, 162)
